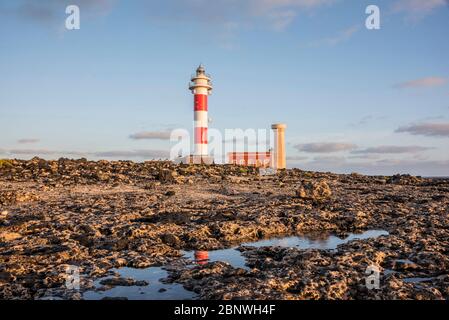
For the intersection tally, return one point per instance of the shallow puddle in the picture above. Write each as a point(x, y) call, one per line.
point(417, 279)
point(155, 290)
point(322, 242)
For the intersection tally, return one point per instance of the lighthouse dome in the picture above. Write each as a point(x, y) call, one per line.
point(200, 69)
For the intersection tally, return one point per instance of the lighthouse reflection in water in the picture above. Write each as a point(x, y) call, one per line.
point(201, 257)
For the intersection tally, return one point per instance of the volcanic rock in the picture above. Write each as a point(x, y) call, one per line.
point(314, 190)
point(102, 215)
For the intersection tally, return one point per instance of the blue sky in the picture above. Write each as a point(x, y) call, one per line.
point(371, 101)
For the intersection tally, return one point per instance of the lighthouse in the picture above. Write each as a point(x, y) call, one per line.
point(201, 87)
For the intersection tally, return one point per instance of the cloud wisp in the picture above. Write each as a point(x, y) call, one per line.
point(325, 147)
point(44, 152)
point(367, 120)
point(417, 9)
point(422, 83)
point(28, 141)
point(392, 150)
point(50, 12)
point(379, 167)
point(296, 158)
point(151, 135)
point(274, 14)
point(116, 154)
point(342, 36)
point(161, 154)
point(430, 129)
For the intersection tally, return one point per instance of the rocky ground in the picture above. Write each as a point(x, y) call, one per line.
point(104, 215)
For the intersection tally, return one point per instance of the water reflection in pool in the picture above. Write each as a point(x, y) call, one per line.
point(155, 290)
point(318, 241)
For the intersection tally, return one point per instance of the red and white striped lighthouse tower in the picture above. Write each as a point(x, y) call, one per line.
point(201, 87)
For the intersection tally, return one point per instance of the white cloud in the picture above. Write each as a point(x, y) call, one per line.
point(392, 150)
point(431, 129)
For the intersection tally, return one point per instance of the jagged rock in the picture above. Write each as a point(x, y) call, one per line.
point(170, 239)
point(404, 179)
point(314, 190)
point(167, 176)
point(103, 215)
point(9, 236)
point(405, 265)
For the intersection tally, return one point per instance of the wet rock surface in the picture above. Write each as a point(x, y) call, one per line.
point(126, 282)
point(103, 215)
